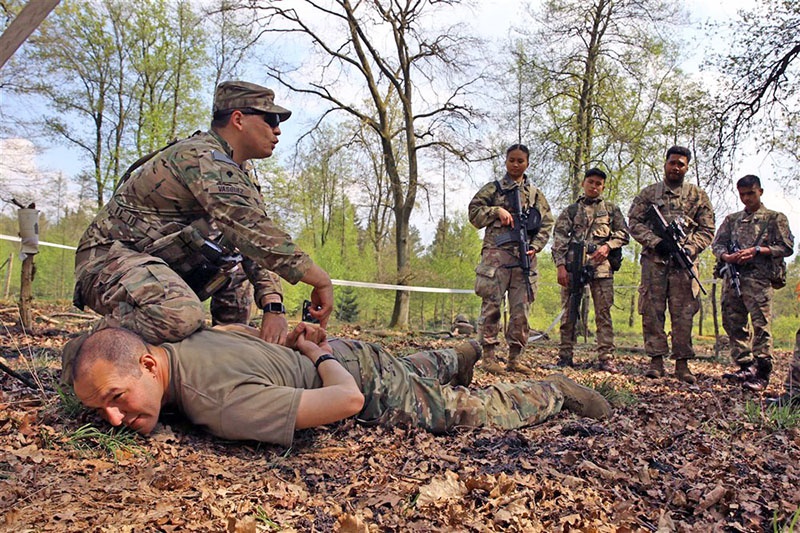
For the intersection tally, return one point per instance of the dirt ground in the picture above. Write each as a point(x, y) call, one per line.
point(674, 457)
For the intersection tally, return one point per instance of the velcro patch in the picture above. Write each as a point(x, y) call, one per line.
point(222, 188)
point(222, 156)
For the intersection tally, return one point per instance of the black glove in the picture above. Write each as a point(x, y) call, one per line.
point(662, 248)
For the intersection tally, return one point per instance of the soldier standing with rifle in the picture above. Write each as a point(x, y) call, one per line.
point(669, 279)
point(518, 222)
point(751, 245)
point(587, 249)
point(187, 223)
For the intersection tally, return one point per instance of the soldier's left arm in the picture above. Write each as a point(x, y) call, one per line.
point(702, 232)
point(620, 235)
point(783, 243)
point(562, 234)
point(548, 221)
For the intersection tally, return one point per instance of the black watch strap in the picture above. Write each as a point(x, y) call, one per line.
point(275, 307)
point(322, 358)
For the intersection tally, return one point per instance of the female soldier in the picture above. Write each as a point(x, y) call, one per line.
point(502, 207)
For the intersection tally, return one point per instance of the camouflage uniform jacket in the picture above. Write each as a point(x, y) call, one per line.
point(687, 201)
point(765, 228)
point(596, 222)
point(483, 213)
point(192, 179)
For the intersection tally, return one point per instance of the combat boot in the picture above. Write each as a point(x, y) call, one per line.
point(683, 373)
point(784, 400)
point(468, 354)
point(656, 367)
point(759, 382)
point(514, 363)
point(565, 359)
point(745, 373)
point(607, 365)
point(491, 364)
point(580, 400)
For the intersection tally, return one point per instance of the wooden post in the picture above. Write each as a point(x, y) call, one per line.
point(29, 235)
point(26, 293)
point(9, 267)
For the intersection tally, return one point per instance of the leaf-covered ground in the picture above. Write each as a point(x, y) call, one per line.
point(674, 457)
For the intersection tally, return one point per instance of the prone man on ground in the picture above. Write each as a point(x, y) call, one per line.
point(188, 222)
point(238, 387)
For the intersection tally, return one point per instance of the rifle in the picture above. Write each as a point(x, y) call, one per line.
point(525, 227)
point(580, 274)
point(732, 270)
point(674, 235)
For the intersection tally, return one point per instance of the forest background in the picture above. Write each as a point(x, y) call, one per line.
point(402, 110)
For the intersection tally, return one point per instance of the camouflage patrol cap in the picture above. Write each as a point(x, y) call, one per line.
point(241, 94)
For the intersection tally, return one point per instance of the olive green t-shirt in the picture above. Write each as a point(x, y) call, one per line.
point(238, 387)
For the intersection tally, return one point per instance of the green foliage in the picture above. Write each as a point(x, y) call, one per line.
point(347, 305)
point(89, 440)
point(618, 394)
point(789, 525)
point(263, 517)
point(773, 418)
point(69, 404)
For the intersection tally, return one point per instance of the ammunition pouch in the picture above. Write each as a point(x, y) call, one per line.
point(777, 272)
point(615, 259)
point(533, 223)
point(204, 264)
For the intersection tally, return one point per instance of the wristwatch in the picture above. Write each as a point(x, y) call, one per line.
point(758, 250)
point(275, 307)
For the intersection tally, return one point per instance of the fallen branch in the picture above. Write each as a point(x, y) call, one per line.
point(84, 316)
point(14, 374)
point(45, 318)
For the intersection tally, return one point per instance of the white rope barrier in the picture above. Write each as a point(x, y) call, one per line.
point(361, 284)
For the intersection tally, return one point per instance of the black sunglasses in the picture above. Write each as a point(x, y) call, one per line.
point(273, 120)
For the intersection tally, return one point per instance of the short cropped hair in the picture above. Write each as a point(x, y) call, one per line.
point(749, 181)
point(118, 346)
point(221, 119)
point(679, 150)
point(594, 171)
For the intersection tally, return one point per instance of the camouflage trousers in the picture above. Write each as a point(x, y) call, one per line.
point(142, 293)
point(413, 391)
point(793, 379)
point(665, 286)
point(492, 283)
point(603, 298)
point(755, 301)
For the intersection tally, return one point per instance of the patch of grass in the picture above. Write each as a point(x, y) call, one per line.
point(617, 394)
point(789, 525)
point(69, 404)
point(261, 516)
point(89, 440)
point(772, 418)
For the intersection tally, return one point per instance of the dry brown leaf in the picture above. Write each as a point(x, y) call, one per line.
point(712, 498)
point(349, 523)
point(441, 489)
